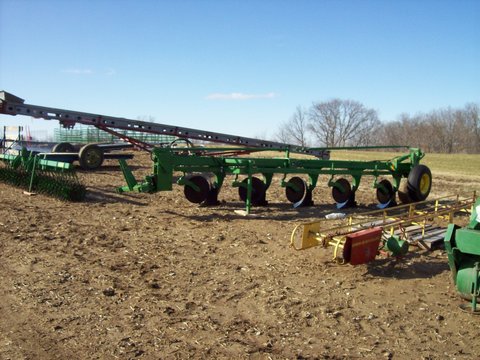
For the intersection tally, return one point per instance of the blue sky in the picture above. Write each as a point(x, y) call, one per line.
point(239, 67)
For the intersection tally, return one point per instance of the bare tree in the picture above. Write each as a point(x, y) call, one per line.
point(343, 123)
point(295, 130)
point(472, 115)
point(444, 130)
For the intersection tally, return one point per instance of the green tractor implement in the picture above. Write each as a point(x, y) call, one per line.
point(36, 174)
point(203, 173)
point(463, 250)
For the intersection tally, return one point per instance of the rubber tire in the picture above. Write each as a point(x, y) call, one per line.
point(90, 157)
point(403, 193)
point(197, 197)
point(340, 197)
point(295, 196)
point(63, 147)
point(415, 181)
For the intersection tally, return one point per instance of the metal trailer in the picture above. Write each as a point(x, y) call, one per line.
point(89, 156)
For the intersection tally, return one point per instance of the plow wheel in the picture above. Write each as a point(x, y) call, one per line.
point(403, 193)
point(90, 157)
point(258, 191)
point(200, 194)
point(63, 147)
point(419, 183)
point(295, 190)
point(339, 195)
point(385, 194)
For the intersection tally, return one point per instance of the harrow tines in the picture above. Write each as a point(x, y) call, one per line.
point(59, 183)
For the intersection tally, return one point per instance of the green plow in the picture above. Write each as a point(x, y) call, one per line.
point(204, 171)
point(38, 175)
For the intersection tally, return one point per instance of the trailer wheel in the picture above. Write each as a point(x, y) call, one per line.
point(90, 157)
point(341, 196)
point(296, 192)
point(258, 191)
point(63, 147)
point(385, 193)
point(419, 183)
point(193, 195)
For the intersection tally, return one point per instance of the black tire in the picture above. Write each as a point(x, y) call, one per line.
point(387, 195)
point(63, 147)
point(403, 193)
point(197, 197)
point(258, 191)
point(293, 195)
point(90, 157)
point(419, 183)
point(339, 196)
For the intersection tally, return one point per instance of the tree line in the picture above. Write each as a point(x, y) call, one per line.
point(340, 122)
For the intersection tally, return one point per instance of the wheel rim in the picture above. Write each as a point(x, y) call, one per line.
point(93, 158)
point(425, 183)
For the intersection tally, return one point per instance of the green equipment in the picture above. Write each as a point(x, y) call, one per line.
point(463, 250)
point(29, 171)
point(204, 172)
point(204, 169)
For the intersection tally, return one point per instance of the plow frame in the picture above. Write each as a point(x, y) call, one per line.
point(199, 161)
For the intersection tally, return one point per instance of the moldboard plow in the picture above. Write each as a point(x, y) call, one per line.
point(359, 238)
point(203, 175)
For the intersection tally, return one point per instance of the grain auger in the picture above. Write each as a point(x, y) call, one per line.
point(34, 174)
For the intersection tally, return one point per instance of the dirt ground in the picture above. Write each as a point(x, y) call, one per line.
point(139, 276)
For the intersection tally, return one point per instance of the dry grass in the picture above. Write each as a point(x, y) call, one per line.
point(445, 164)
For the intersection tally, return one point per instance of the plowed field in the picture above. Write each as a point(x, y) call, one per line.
point(139, 276)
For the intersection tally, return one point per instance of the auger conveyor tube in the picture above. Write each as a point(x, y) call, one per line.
point(13, 105)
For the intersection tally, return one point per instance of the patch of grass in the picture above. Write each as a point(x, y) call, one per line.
point(448, 164)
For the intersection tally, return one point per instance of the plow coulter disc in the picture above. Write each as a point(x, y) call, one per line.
point(295, 190)
point(385, 194)
point(200, 194)
point(258, 191)
point(339, 195)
